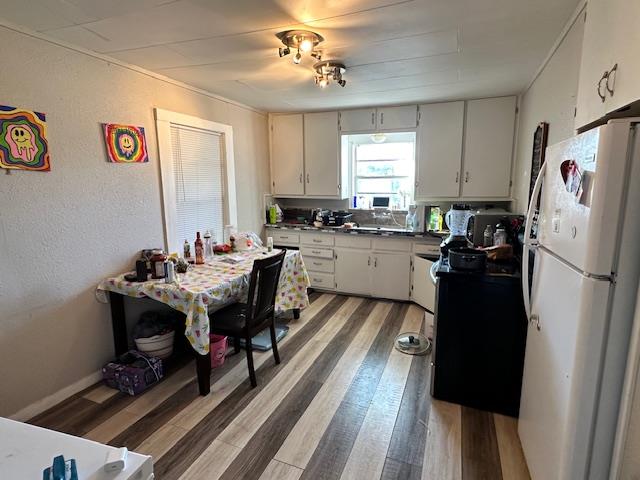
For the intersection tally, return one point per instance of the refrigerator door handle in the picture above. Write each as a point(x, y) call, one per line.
point(530, 243)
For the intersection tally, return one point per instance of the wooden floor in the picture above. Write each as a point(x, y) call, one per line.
point(343, 404)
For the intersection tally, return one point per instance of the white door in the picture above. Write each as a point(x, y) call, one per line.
point(624, 38)
point(352, 271)
point(397, 118)
point(561, 369)
point(390, 275)
point(321, 156)
point(596, 59)
point(488, 147)
point(287, 154)
point(439, 150)
point(361, 120)
point(423, 291)
point(582, 227)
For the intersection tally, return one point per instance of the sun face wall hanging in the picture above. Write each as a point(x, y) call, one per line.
point(23, 140)
point(125, 143)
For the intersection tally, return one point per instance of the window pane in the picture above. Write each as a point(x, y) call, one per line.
point(383, 151)
point(384, 185)
point(387, 168)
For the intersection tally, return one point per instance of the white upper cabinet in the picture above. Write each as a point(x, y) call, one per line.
point(287, 155)
point(379, 119)
point(439, 152)
point(610, 66)
point(596, 60)
point(625, 52)
point(397, 118)
point(321, 155)
point(361, 120)
point(488, 148)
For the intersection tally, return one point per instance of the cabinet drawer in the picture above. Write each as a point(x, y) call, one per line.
point(392, 244)
point(286, 238)
point(319, 265)
point(317, 239)
point(317, 252)
point(322, 280)
point(427, 248)
point(352, 241)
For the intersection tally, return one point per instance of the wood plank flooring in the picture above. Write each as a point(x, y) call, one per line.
point(343, 404)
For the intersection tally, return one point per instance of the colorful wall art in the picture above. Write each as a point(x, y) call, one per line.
point(125, 143)
point(23, 140)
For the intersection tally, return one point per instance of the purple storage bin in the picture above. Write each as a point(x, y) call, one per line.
point(132, 372)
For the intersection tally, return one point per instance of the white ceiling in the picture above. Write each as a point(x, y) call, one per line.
point(396, 51)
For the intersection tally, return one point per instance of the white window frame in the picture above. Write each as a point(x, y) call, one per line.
point(164, 120)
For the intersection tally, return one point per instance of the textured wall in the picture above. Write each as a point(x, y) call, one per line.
point(61, 232)
point(551, 99)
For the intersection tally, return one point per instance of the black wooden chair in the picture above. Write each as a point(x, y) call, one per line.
point(246, 320)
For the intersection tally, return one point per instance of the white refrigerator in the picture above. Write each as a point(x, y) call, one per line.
point(581, 301)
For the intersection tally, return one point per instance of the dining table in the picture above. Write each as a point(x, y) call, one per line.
point(222, 280)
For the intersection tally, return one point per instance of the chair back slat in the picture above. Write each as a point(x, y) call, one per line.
point(263, 288)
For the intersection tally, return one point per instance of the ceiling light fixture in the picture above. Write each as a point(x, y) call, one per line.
point(327, 71)
point(304, 41)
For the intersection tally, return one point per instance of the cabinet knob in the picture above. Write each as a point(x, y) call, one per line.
point(457, 177)
point(307, 178)
point(300, 178)
point(373, 118)
point(382, 118)
point(612, 73)
point(375, 262)
point(368, 261)
point(466, 177)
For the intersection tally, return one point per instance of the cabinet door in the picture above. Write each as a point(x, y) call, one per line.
point(321, 156)
point(361, 120)
point(287, 155)
point(623, 49)
point(352, 271)
point(397, 118)
point(423, 290)
point(439, 156)
point(390, 275)
point(596, 59)
point(488, 147)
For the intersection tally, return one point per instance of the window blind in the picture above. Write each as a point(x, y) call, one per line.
point(198, 171)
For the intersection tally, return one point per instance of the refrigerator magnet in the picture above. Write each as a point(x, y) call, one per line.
point(571, 177)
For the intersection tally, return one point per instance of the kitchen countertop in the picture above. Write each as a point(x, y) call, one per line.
point(378, 232)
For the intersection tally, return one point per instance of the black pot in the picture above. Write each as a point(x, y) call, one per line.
point(467, 259)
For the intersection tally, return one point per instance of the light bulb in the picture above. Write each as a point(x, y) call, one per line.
point(323, 82)
point(306, 45)
point(297, 58)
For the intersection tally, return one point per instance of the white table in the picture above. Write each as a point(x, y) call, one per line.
point(26, 450)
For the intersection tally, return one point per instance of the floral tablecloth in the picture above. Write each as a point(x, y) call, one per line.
point(206, 288)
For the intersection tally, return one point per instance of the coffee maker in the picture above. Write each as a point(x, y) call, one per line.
point(456, 219)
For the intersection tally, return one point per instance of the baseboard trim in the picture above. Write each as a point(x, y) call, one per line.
point(44, 404)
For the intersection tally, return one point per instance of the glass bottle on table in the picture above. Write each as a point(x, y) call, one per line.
point(208, 246)
point(199, 250)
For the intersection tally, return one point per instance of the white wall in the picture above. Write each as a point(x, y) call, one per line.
point(61, 232)
point(552, 99)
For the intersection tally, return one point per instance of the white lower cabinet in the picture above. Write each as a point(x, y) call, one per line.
point(390, 275)
point(352, 271)
point(423, 291)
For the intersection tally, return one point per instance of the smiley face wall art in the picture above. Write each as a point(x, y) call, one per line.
point(23, 140)
point(125, 143)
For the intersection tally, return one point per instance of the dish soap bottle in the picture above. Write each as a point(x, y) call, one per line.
point(199, 248)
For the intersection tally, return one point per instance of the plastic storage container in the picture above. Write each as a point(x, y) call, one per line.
point(159, 346)
point(218, 349)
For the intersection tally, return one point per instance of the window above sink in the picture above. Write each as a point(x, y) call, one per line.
point(383, 165)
